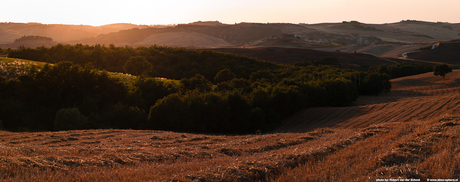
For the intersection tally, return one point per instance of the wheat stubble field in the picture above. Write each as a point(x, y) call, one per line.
point(411, 133)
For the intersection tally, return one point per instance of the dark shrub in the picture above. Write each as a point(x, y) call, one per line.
point(70, 119)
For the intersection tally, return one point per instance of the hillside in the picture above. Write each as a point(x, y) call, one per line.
point(290, 42)
point(346, 36)
point(30, 41)
point(291, 55)
point(346, 33)
point(401, 32)
point(58, 32)
point(181, 39)
point(421, 97)
point(410, 133)
point(233, 34)
point(447, 52)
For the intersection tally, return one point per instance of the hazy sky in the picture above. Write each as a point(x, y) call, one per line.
point(100, 12)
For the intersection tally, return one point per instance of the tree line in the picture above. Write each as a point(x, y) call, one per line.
point(226, 94)
point(32, 37)
point(172, 63)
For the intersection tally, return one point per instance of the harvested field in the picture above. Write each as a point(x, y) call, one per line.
point(419, 149)
point(163, 156)
point(423, 96)
point(412, 132)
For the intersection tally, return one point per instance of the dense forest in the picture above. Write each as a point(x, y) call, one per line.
point(214, 92)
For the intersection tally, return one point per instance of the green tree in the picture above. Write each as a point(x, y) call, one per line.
point(224, 75)
point(198, 82)
point(375, 83)
point(70, 119)
point(138, 65)
point(442, 70)
point(340, 92)
point(261, 75)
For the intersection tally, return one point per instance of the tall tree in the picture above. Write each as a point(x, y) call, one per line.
point(224, 75)
point(442, 70)
point(138, 65)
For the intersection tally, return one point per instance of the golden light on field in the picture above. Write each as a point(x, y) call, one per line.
point(102, 12)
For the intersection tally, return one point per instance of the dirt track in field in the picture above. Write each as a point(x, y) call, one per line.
point(422, 96)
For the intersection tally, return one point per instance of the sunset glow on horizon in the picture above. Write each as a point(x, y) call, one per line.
point(101, 12)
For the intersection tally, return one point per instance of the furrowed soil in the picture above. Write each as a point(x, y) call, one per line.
point(410, 133)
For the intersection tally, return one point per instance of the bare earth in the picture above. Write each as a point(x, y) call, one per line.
point(408, 133)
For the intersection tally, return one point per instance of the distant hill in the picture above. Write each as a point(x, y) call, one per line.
point(262, 34)
point(401, 32)
point(30, 41)
point(58, 32)
point(235, 35)
point(352, 36)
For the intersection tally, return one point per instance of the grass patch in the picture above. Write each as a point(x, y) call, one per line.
point(18, 64)
point(12, 67)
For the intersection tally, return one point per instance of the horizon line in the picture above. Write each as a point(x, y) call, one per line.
point(175, 24)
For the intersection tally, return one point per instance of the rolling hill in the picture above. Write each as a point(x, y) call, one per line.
point(410, 133)
point(347, 34)
point(420, 97)
point(30, 41)
point(58, 32)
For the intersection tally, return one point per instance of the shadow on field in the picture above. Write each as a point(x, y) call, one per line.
point(313, 118)
point(393, 96)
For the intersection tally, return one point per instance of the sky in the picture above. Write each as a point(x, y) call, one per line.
point(153, 12)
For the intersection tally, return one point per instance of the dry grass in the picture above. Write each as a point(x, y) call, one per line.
point(125, 155)
point(12, 67)
point(410, 150)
